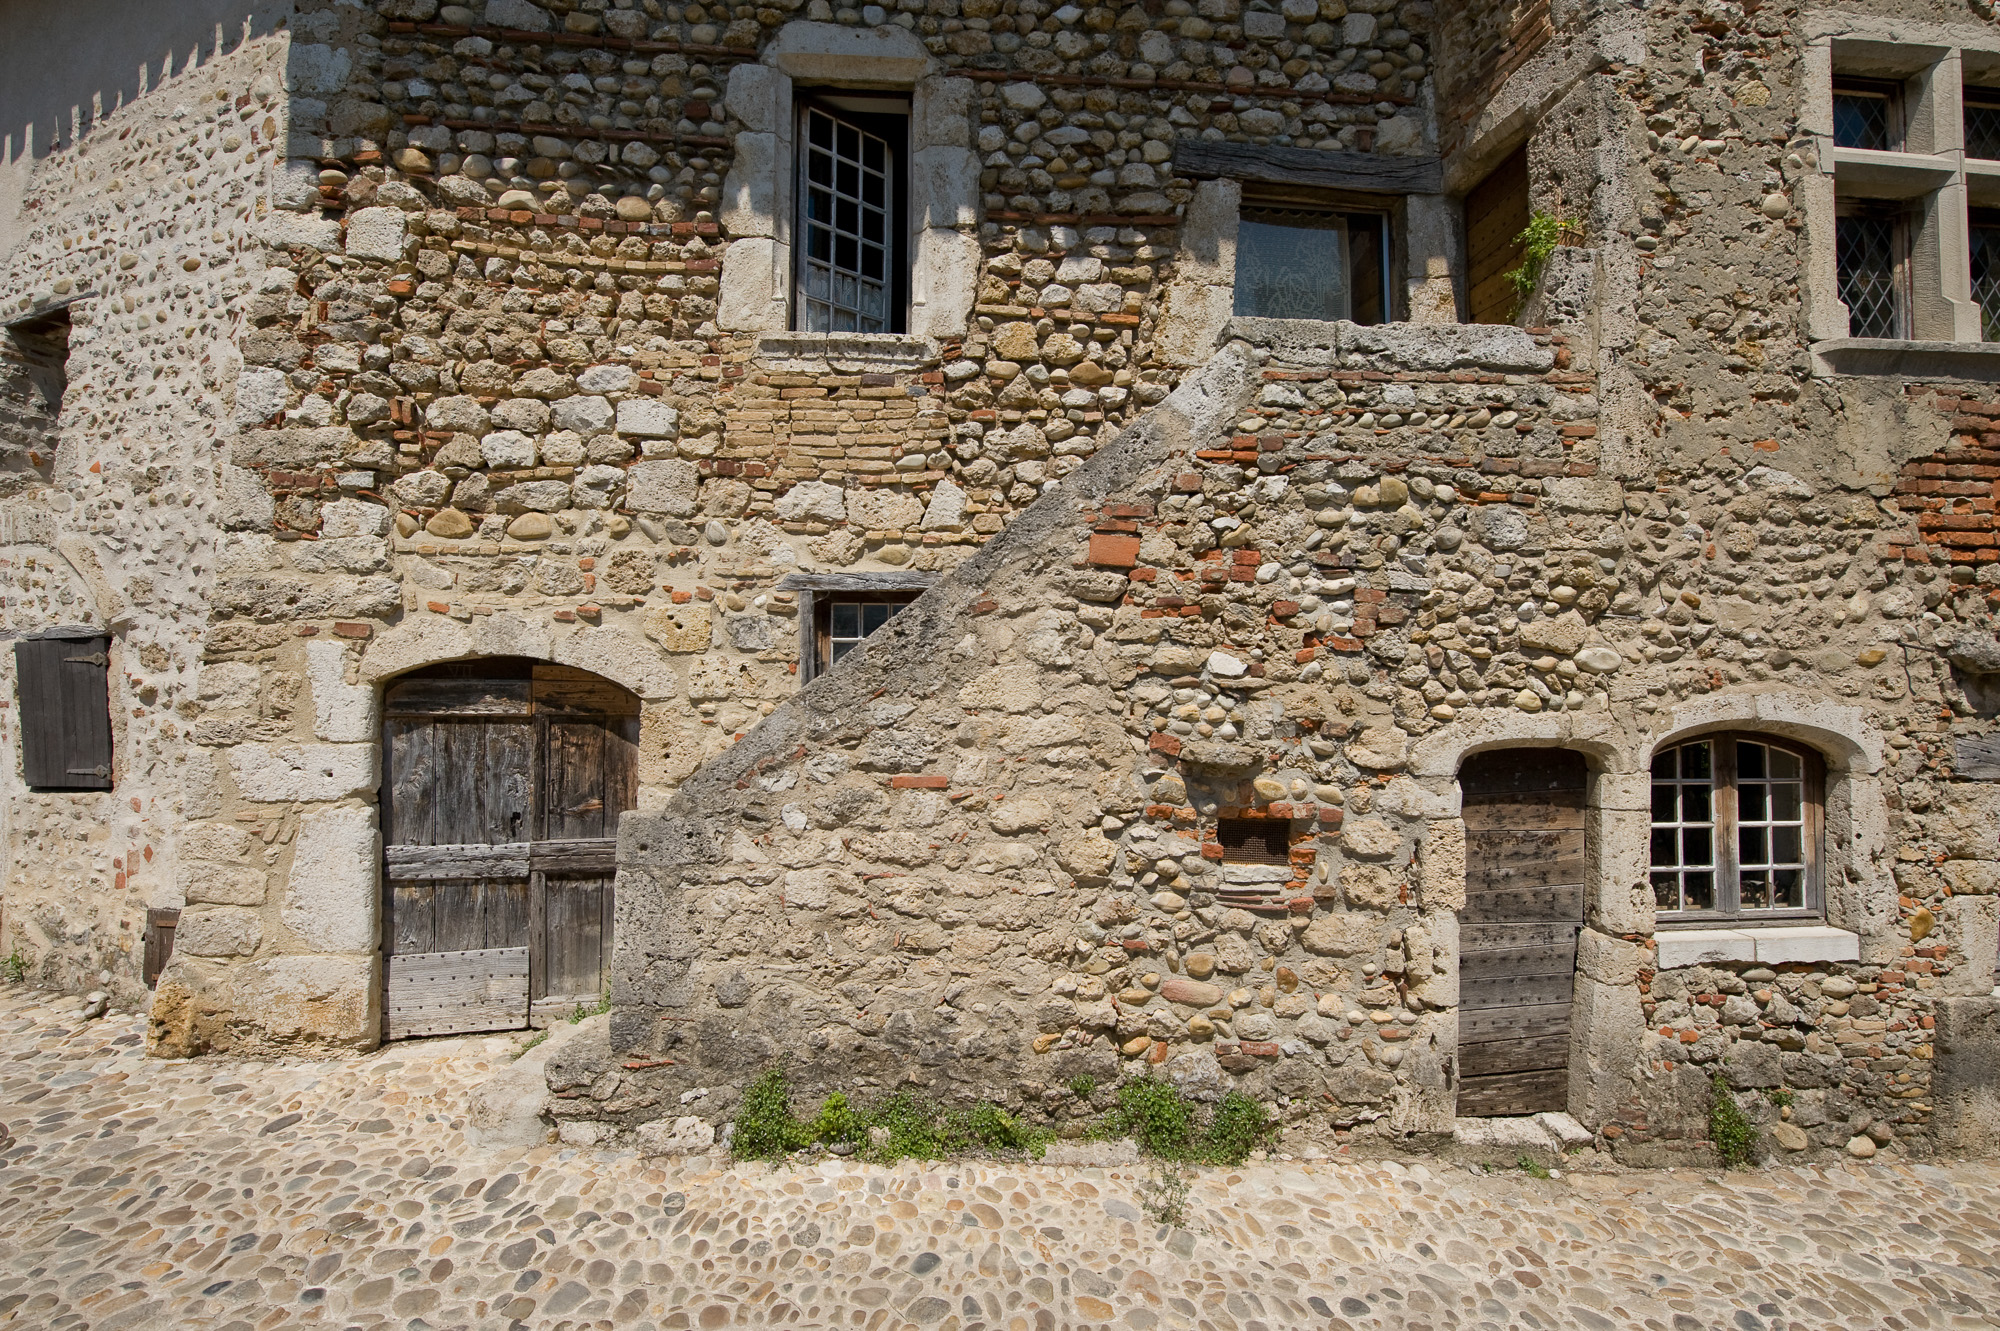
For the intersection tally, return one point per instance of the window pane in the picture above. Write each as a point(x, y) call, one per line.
point(1667, 891)
point(1291, 272)
point(1787, 845)
point(1695, 761)
point(1786, 798)
point(874, 617)
point(1866, 253)
point(1664, 767)
point(1788, 888)
point(1698, 891)
point(1982, 130)
point(1750, 801)
point(1749, 760)
point(1985, 241)
point(1663, 800)
point(1695, 804)
point(1861, 120)
point(841, 649)
point(1784, 766)
point(1750, 845)
point(846, 224)
point(1697, 846)
point(1665, 845)
point(1754, 890)
point(846, 619)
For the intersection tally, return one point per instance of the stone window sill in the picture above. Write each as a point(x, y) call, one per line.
point(1888, 355)
point(845, 353)
point(1769, 944)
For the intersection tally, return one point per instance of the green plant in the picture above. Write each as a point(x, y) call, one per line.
point(837, 1122)
point(765, 1128)
point(538, 1038)
point(1735, 1137)
point(1164, 1194)
point(1781, 1096)
point(1539, 240)
point(1527, 1164)
point(597, 1009)
point(1157, 1116)
point(1165, 1123)
point(15, 967)
point(1083, 1086)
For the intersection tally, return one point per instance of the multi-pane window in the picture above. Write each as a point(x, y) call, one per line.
point(1869, 246)
point(1297, 262)
point(1735, 828)
point(1867, 114)
point(843, 620)
point(853, 270)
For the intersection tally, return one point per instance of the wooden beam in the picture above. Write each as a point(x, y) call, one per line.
point(508, 860)
point(1372, 173)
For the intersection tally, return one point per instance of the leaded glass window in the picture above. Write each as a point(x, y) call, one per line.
point(1868, 254)
point(851, 243)
point(1982, 124)
point(1983, 239)
point(1735, 828)
point(1867, 115)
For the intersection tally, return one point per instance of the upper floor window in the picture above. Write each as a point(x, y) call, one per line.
point(1295, 261)
point(1872, 258)
point(1982, 123)
point(1736, 828)
point(853, 233)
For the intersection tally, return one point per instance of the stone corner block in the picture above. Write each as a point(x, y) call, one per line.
point(283, 773)
point(331, 892)
point(343, 713)
point(377, 233)
point(1692, 947)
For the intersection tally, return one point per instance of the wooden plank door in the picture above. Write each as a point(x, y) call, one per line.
point(504, 785)
point(1496, 212)
point(1524, 857)
point(589, 734)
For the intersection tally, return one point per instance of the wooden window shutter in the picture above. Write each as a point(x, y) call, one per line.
point(64, 691)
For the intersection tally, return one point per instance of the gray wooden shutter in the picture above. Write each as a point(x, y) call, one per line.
point(65, 704)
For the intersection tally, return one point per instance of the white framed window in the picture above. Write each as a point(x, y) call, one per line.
point(1736, 829)
point(853, 203)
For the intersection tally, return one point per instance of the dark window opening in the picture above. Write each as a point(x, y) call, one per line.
point(853, 231)
point(34, 375)
point(64, 690)
point(1736, 828)
point(1868, 113)
point(1982, 123)
point(842, 621)
point(1870, 246)
point(1297, 261)
point(1255, 840)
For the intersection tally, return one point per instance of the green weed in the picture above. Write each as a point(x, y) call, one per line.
point(15, 967)
point(1083, 1086)
point(904, 1126)
point(538, 1038)
point(597, 1009)
point(1540, 239)
point(1527, 1164)
point(1734, 1136)
point(1164, 1194)
point(1780, 1096)
point(1165, 1123)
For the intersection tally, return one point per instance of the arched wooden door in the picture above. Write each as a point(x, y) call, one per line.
point(503, 785)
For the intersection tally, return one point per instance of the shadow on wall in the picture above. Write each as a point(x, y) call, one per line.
point(69, 65)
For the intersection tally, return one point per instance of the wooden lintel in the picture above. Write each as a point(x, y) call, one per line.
point(1371, 173)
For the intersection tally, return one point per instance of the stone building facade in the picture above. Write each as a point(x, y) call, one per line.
point(397, 337)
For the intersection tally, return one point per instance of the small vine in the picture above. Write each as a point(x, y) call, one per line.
point(1539, 240)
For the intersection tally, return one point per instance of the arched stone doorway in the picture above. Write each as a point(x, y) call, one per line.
point(503, 782)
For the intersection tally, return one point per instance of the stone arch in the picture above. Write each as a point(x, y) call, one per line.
point(626, 659)
point(1440, 756)
point(1840, 733)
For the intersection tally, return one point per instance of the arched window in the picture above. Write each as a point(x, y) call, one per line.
point(1736, 828)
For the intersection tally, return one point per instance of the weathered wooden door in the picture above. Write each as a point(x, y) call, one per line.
point(1496, 212)
point(1524, 869)
point(505, 779)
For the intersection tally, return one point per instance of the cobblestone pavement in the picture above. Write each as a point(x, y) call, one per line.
point(218, 1194)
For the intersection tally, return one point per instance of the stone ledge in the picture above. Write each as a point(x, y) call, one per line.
point(844, 353)
point(1772, 945)
point(1897, 356)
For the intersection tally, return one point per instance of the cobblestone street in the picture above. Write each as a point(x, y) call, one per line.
point(218, 1194)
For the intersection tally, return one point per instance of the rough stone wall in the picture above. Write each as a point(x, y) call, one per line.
point(981, 855)
point(108, 519)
